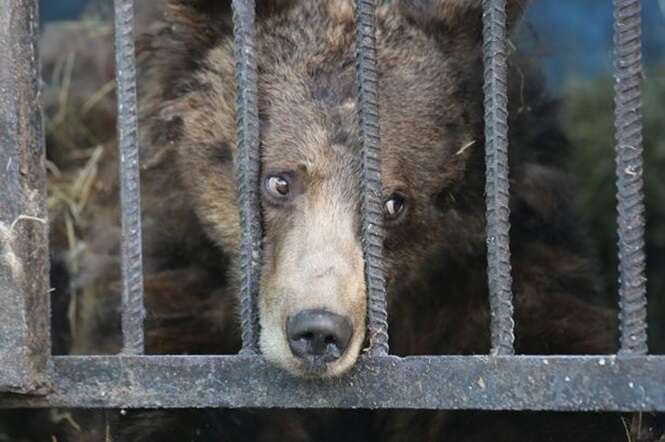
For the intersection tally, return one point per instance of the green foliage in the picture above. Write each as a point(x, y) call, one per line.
point(589, 122)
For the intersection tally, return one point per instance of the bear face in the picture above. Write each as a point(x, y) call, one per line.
point(429, 58)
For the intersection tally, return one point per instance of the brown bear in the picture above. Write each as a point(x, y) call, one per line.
point(312, 286)
point(432, 138)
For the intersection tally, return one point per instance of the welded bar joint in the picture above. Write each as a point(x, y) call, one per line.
point(24, 284)
point(130, 182)
point(629, 171)
point(497, 185)
point(247, 169)
point(371, 188)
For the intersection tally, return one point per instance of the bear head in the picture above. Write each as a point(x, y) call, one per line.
point(312, 301)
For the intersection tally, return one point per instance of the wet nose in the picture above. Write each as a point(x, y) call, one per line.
point(318, 335)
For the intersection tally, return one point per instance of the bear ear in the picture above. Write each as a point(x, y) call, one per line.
point(458, 17)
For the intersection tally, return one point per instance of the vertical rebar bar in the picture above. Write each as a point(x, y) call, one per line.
point(497, 185)
point(248, 168)
point(629, 170)
point(130, 186)
point(371, 188)
point(25, 345)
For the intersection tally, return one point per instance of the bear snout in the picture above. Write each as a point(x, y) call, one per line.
point(318, 337)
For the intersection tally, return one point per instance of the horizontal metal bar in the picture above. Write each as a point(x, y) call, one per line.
point(24, 285)
point(591, 383)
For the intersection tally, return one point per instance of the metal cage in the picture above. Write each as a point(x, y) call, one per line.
point(31, 377)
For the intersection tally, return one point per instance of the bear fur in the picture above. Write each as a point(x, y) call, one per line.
point(430, 91)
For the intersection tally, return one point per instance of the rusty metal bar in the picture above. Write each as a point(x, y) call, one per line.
point(371, 187)
point(24, 283)
point(248, 169)
point(496, 168)
point(629, 170)
point(130, 182)
point(583, 383)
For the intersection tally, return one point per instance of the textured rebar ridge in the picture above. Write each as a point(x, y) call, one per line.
point(497, 185)
point(371, 188)
point(247, 169)
point(629, 170)
point(130, 187)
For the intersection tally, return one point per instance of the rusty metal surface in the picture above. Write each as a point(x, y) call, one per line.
point(448, 382)
point(24, 289)
point(630, 181)
point(371, 187)
point(496, 169)
point(247, 169)
point(130, 182)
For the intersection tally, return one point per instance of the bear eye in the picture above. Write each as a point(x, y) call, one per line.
point(277, 186)
point(393, 207)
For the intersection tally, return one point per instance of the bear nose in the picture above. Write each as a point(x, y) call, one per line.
point(318, 335)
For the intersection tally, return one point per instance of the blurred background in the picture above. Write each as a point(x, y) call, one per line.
point(572, 40)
